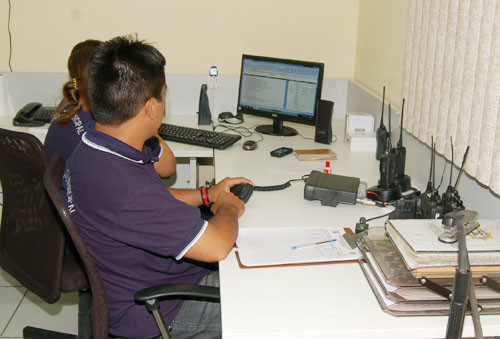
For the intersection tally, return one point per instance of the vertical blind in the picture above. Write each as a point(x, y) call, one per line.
point(452, 82)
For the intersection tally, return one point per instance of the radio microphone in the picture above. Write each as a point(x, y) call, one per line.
point(403, 180)
point(382, 133)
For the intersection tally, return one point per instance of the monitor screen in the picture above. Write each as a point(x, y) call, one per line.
point(280, 89)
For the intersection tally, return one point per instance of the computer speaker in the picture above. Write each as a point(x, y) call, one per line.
point(323, 133)
point(204, 114)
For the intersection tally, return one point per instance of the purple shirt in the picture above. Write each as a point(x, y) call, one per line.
point(62, 139)
point(135, 230)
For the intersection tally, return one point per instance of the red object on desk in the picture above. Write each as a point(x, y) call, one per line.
point(327, 169)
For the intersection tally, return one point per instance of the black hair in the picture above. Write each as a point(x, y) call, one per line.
point(123, 74)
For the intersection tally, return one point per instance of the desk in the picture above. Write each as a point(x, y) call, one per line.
point(317, 301)
point(187, 155)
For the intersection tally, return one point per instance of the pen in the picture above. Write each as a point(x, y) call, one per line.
point(298, 247)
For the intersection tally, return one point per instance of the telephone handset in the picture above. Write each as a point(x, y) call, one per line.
point(34, 114)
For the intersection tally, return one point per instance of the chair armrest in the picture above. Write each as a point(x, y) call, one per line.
point(178, 291)
point(150, 298)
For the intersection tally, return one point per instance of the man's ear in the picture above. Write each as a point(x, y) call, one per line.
point(149, 108)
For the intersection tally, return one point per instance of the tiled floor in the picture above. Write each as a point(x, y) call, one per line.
point(20, 308)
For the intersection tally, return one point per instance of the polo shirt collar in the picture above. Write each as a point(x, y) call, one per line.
point(106, 143)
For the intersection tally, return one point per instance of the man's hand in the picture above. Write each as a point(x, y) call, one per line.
point(229, 204)
point(225, 186)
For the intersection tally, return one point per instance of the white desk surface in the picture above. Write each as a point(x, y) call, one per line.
point(317, 301)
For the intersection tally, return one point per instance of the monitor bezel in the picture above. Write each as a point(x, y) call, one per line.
point(307, 120)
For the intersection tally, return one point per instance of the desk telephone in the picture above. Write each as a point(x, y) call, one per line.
point(34, 114)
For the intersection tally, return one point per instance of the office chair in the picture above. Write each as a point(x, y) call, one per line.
point(32, 242)
point(149, 296)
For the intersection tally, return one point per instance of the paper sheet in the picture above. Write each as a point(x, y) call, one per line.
point(273, 246)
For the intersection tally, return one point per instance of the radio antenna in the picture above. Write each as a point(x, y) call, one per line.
point(389, 144)
point(433, 164)
point(381, 133)
point(462, 167)
point(383, 104)
point(400, 142)
point(452, 161)
point(429, 182)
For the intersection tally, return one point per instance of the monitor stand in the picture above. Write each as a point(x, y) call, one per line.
point(277, 128)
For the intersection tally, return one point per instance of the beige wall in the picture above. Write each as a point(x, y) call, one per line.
point(192, 34)
point(356, 39)
point(380, 48)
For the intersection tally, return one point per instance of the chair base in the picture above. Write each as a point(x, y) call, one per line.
point(40, 333)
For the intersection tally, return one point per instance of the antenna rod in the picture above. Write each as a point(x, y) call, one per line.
point(462, 167)
point(433, 163)
point(432, 150)
point(452, 160)
point(389, 135)
point(400, 142)
point(383, 104)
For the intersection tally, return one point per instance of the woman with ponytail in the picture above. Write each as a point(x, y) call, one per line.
point(73, 113)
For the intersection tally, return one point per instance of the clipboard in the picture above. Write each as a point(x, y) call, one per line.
point(308, 263)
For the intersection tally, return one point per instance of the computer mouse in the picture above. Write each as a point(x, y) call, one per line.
point(249, 145)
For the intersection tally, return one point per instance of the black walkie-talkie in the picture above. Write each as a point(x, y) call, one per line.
point(392, 155)
point(387, 189)
point(387, 168)
point(401, 178)
point(430, 202)
point(451, 199)
point(382, 133)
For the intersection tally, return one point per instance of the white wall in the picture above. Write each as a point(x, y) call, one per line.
point(193, 35)
point(380, 49)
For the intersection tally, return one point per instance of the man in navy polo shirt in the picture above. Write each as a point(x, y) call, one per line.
point(139, 233)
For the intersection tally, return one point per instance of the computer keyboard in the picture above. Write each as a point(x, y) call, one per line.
point(198, 137)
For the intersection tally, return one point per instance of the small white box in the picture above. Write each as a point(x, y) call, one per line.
point(359, 122)
point(362, 141)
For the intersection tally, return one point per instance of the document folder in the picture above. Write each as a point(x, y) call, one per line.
point(398, 291)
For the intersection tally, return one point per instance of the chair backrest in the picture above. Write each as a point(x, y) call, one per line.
point(52, 181)
point(31, 233)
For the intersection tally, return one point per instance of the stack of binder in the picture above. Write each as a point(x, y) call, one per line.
point(397, 289)
point(417, 242)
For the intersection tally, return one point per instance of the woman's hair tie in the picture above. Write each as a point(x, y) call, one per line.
point(75, 84)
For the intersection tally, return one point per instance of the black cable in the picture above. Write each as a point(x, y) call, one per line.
point(241, 130)
point(333, 135)
point(303, 137)
point(380, 216)
point(279, 187)
point(10, 35)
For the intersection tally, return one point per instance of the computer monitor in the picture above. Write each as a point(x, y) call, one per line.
point(280, 89)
